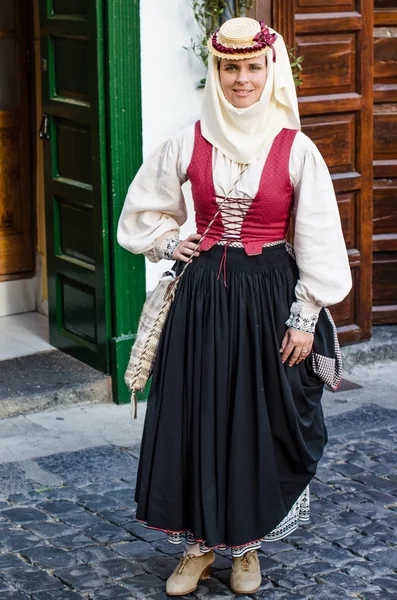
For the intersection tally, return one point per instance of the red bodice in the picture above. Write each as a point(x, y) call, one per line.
point(268, 215)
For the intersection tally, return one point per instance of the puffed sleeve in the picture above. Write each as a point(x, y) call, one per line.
point(321, 256)
point(154, 208)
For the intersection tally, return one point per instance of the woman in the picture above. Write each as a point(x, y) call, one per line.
point(234, 426)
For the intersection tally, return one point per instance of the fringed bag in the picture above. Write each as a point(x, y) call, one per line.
point(151, 322)
point(153, 317)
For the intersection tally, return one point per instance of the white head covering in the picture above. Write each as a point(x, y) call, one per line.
point(242, 133)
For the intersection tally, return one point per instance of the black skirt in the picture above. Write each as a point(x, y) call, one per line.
point(232, 436)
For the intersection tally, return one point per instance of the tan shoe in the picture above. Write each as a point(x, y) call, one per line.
point(188, 572)
point(246, 573)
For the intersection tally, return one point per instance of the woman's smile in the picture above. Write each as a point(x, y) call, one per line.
point(242, 92)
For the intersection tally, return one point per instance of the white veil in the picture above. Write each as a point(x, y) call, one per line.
point(241, 133)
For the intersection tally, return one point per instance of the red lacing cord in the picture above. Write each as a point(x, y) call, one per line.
point(223, 263)
point(212, 221)
point(231, 216)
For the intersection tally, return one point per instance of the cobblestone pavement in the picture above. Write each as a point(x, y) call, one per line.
point(78, 539)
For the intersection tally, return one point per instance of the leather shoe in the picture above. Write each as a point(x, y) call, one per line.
point(246, 573)
point(188, 572)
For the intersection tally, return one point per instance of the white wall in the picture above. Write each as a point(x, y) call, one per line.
point(170, 98)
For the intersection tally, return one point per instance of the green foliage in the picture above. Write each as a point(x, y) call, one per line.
point(210, 14)
point(241, 7)
point(296, 66)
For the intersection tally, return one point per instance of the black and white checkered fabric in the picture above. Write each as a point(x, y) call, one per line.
point(329, 369)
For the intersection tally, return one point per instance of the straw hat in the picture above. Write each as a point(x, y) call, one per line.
point(242, 38)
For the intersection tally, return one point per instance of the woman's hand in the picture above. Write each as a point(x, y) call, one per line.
point(296, 345)
point(184, 250)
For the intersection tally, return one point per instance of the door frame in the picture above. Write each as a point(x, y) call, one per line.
point(125, 157)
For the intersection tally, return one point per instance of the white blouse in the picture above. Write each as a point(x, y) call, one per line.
point(155, 208)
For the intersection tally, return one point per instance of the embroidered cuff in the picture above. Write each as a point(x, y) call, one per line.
point(163, 247)
point(303, 317)
point(167, 248)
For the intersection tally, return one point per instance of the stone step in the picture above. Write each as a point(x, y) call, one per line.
point(382, 346)
point(47, 380)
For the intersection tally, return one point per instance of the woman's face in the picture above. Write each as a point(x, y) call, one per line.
point(243, 81)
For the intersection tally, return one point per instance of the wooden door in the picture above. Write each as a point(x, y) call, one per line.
point(261, 10)
point(335, 103)
point(384, 308)
point(75, 164)
point(16, 233)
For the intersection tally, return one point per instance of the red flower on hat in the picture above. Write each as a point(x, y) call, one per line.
point(267, 38)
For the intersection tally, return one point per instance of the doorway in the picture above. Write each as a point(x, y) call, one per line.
point(16, 180)
point(22, 330)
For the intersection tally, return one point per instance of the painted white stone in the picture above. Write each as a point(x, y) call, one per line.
point(18, 296)
point(170, 98)
point(23, 334)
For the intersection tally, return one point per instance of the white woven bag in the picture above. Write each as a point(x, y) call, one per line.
point(150, 326)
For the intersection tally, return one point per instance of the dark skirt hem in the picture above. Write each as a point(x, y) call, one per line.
point(298, 515)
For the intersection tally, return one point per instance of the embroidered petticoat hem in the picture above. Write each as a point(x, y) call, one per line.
point(299, 514)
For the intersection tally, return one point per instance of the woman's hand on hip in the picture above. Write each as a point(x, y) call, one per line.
point(296, 345)
point(185, 249)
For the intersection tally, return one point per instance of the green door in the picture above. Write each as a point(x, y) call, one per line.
point(73, 130)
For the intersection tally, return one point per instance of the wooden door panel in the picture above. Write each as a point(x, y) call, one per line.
point(329, 63)
point(16, 234)
point(385, 12)
point(9, 93)
point(78, 301)
point(77, 166)
point(335, 137)
point(347, 210)
point(344, 313)
point(385, 207)
point(75, 178)
point(385, 251)
point(385, 55)
point(327, 22)
point(7, 16)
point(385, 4)
point(70, 242)
point(11, 221)
point(310, 6)
point(335, 103)
point(385, 132)
point(73, 8)
point(385, 269)
point(261, 11)
point(71, 73)
point(385, 164)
